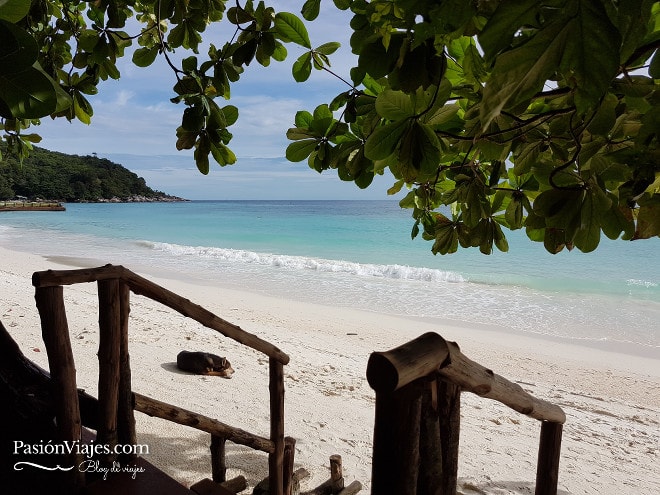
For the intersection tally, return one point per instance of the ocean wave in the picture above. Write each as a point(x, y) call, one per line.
point(401, 272)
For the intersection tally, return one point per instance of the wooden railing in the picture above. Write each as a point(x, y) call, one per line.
point(116, 400)
point(417, 423)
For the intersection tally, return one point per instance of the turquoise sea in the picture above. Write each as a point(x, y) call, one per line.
point(359, 254)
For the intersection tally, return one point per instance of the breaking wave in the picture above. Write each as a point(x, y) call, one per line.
point(289, 262)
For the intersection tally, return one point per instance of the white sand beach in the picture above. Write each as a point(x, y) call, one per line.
point(611, 442)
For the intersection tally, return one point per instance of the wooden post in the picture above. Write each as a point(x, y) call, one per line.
point(55, 332)
point(547, 469)
point(395, 463)
point(430, 446)
point(288, 462)
point(276, 459)
point(218, 459)
point(336, 473)
point(449, 409)
point(125, 416)
point(110, 335)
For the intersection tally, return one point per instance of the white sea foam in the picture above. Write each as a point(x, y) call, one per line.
point(641, 283)
point(290, 262)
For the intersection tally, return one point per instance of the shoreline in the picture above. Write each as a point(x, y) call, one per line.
point(611, 437)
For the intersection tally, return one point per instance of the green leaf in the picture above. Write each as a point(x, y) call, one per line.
point(300, 150)
point(648, 220)
point(14, 10)
point(291, 28)
point(508, 18)
point(394, 105)
point(328, 48)
point(222, 154)
point(144, 57)
point(384, 140)
point(310, 9)
point(302, 67)
point(29, 94)
point(18, 49)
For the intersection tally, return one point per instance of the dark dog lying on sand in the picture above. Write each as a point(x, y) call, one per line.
point(204, 363)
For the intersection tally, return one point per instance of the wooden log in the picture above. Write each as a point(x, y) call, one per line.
point(276, 458)
point(430, 446)
point(287, 465)
point(336, 473)
point(108, 355)
point(153, 407)
point(547, 470)
point(475, 378)
point(49, 278)
point(352, 489)
point(144, 287)
point(236, 485)
point(395, 462)
point(449, 415)
point(55, 333)
point(390, 370)
point(125, 416)
point(218, 459)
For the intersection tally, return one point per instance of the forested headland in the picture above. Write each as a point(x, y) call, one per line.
point(71, 178)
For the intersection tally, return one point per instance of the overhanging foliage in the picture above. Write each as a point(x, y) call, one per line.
point(497, 113)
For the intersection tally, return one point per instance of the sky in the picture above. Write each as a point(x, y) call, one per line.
point(135, 123)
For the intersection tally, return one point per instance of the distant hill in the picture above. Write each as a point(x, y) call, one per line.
point(72, 178)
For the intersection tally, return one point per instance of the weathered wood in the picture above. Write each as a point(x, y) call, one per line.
point(547, 470)
point(50, 278)
point(336, 473)
point(449, 416)
point(287, 464)
point(142, 286)
point(218, 459)
point(430, 446)
point(475, 378)
point(55, 333)
point(125, 417)
point(276, 458)
point(237, 484)
point(153, 407)
point(351, 489)
point(395, 462)
point(390, 370)
point(108, 386)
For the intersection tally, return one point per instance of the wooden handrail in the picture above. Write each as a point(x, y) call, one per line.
point(142, 286)
point(391, 370)
point(179, 415)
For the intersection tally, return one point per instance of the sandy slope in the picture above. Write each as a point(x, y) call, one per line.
point(611, 439)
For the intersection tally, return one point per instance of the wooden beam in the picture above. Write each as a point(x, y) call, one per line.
point(108, 386)
point(153, 407)
point(390, 370)
point(547, 470)
point(475, 378)
point(125, 416)
point(218, 459)
point(142, 286)
point(276, 458)
point(55, 332)
point(395, 461)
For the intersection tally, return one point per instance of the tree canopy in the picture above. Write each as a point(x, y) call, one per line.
point(71, 178)
point(492, 113)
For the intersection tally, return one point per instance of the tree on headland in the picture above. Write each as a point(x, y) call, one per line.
point(493, 113)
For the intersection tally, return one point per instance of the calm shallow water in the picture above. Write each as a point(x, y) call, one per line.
point(359, 254)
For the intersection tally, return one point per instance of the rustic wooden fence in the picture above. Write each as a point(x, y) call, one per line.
point(116, 400)
point(417, 423)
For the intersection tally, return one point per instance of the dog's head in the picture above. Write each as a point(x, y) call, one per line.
point(220, 366)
